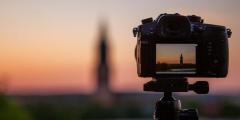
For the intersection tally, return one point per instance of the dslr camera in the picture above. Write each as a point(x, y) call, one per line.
point(181, 46)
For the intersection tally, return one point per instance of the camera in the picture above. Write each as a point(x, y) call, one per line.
point(181, 46)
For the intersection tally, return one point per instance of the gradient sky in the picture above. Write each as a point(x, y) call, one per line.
point(48, 46)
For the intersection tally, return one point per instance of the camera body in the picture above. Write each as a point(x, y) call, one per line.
point(181, 46)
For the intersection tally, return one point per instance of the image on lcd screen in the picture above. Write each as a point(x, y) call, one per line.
point(175, 58)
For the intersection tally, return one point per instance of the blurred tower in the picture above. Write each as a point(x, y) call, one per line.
point(102, 73)
point(181, 60)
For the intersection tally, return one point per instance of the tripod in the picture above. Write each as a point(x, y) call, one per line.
point(168, 108)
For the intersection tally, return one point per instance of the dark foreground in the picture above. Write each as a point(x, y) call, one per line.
point(119, 106)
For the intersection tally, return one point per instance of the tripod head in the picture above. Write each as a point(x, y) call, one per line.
point(168, 108)
point(176, 85)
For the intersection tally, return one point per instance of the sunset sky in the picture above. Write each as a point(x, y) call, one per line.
point(170, 53)
point(49, 46)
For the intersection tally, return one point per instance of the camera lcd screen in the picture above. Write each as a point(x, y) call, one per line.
point(176, 58)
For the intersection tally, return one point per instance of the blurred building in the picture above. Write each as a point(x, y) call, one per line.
point(103, 92)
point(181, 59)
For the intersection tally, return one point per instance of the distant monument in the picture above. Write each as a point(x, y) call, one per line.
point(103, 92)
point(181, 59)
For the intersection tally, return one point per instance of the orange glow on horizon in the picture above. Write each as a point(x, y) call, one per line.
point(49, 46)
